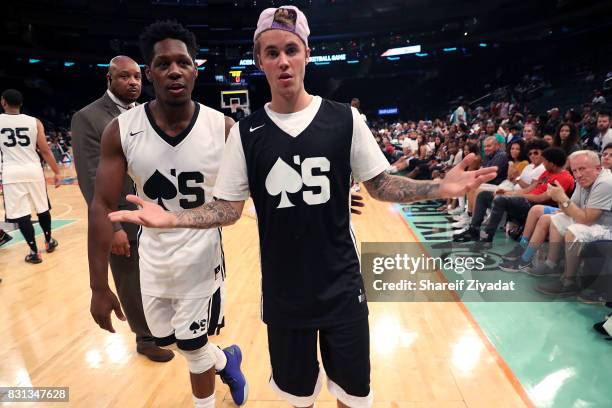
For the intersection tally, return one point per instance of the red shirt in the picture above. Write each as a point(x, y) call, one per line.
point(564, 178)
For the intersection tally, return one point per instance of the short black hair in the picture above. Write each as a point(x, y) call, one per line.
point(161, 30)
point(555, 155)
point(538, 144)
point(13, 97)
point(606, 147)
point(604, 113)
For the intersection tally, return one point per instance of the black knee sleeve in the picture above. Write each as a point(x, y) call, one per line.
point(27, 230)
point(44, 219)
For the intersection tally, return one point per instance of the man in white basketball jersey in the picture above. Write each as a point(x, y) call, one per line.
point(295, 157)
point(22, 173)
point(171, 147)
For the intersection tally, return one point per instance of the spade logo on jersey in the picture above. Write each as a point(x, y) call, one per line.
point(159, 187)
point(284, 179)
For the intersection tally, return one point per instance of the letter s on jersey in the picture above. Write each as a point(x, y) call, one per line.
point(315, 181)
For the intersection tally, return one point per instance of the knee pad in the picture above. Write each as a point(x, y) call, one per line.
point(199, 360)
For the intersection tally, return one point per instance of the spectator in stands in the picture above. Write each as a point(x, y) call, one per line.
point(598, 99)
point(529, 132)
point(586, 217)
point(604, 133)
point(495, 155)
point(517, 161)
point(438, 144)
point(566, 137)
point(529, 174)
point(410, 144)
point(606, 156)
point(516, 204)
point(554, 120)
point(455, 154)
point(548, 138)
point(418, 167)
point(515, 134)
point(459, 115)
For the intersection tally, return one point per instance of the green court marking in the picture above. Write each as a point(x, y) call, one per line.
point(551, 347)
point(55, 225)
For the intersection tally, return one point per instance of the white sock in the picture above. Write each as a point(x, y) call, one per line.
point(550, 263)
point(207, 402)
point(218, 356)
point(461, 202)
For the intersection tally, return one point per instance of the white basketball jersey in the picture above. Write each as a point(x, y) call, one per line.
point(20, 162)
point(177, 173)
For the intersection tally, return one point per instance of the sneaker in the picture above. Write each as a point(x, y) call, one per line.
point(460, 231)
point(456, 211)
point(462, 216)
point(591, 297)
point(33, 257)
point(558, 288)
point(233, 377)
point(544, 270)
point(515, 254)
point(461, 224)
point(5, 238)
point(469, 235)
point(51, 245)
point(517, 265)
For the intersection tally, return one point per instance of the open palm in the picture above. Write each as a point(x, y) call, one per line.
point(149, 215)
point(458, 181)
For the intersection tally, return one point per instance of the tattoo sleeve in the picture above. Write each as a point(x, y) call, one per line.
point(211, 215)
point(385, 187)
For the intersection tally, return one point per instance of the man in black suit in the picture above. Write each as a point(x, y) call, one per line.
point(123, 89)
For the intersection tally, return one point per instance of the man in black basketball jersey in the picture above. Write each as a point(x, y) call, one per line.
point(295, 157)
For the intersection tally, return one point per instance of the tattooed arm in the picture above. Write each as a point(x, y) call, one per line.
point(211, 215)
point(397, 189)
point(457, 182)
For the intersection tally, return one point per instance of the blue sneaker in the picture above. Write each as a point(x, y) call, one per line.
point(233, 377)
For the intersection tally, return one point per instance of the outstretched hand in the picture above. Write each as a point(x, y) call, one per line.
point(149, 215)
point(459, 181)
point(356, 201)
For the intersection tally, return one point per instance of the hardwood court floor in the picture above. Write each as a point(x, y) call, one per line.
point(423, 354)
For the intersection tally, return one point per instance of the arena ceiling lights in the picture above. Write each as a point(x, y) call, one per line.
point(394, 52)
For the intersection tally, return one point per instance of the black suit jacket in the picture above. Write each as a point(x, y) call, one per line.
point(87, 127)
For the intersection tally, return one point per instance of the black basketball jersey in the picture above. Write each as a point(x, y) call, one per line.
point(300, 186)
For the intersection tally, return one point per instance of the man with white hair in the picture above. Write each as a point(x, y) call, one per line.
point(586, 217)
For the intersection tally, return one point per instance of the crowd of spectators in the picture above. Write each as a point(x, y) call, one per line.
point(553, 191)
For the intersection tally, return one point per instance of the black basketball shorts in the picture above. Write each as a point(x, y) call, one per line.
point(345, 351)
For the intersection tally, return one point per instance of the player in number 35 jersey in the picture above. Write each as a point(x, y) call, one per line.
point(22, 174)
